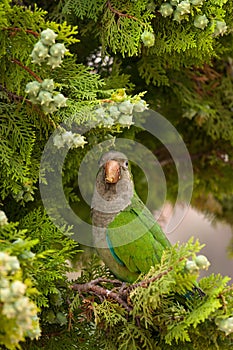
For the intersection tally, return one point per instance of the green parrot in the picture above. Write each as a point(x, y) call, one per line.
point(125, 233)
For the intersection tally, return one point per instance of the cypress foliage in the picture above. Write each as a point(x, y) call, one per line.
point(70, 64)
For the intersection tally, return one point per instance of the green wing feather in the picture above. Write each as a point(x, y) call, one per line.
point(136, 238)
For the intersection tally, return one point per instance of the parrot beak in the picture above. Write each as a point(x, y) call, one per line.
point(112, 171)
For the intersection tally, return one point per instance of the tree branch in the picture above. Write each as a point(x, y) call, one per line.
point(15, 30)
point(101, 292)
point(121, 293)
point(15, 97)
point(11, 95)
point(118, 13)
point(27, 69)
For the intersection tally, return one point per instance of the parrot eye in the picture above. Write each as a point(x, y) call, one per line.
point(126, 163)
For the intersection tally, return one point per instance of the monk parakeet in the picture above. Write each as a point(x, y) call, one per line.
point(125, 233)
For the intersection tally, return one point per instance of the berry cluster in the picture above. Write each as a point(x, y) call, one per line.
point(69, 139)
point(148, 38)
point(181, 10)
point(14, 304)
point(47, 50)
point(120, 110)
point(225, 325)
point(199, 263)
point(44, 94)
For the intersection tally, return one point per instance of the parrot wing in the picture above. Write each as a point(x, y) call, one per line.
point(135, 239)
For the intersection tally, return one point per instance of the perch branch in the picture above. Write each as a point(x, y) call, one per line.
point(101, 292)
point(121, 290)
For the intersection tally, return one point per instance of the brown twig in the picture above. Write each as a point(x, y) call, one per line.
point(121, 295)
point(101, 292)
point(118, 13)
point(16, 29)
point(15, 97)
point(14, 60)
point(144, 284)
point(11, 95)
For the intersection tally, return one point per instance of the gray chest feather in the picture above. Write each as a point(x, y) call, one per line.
point(109, 199)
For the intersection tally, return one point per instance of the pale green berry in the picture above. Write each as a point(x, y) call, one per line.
point(60, 100)
point(197, 2)
point(5, 294)
point(9, 263)
point(174, 2)
point(151, 6)
point(100, 113)
point(45, 97)
point(201, 22)
point(148, 38)
point(125, 119)
point(78, 141)
point(177, 16)
point(3, 218)
point(50, 316)
point(67, 137)
point(23, 304)
point(225, 325)
point(220, 28)
point(36, 59)
point(4, 283)
point(13, 263)
point(140, 106)
point(166, 9)
point(40, 50)
point(33, 88)
point(50, 108)
point(48, 37)
point(57, 50)
point(191, 266)
point(108, 121)
point(61, 318)
point(48, 84)
point(9, 311)
point(183, 7)
point(18, 288)
point(34, 333)
point(202, 262)
point(54, 62)
point(19, 241)
point(114, 111)
point(3, 257)
point(58, 141)
point(27, 254)
point(126, 107)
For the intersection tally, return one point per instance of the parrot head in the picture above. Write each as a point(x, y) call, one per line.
point(115, 167)
point(114, 186)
